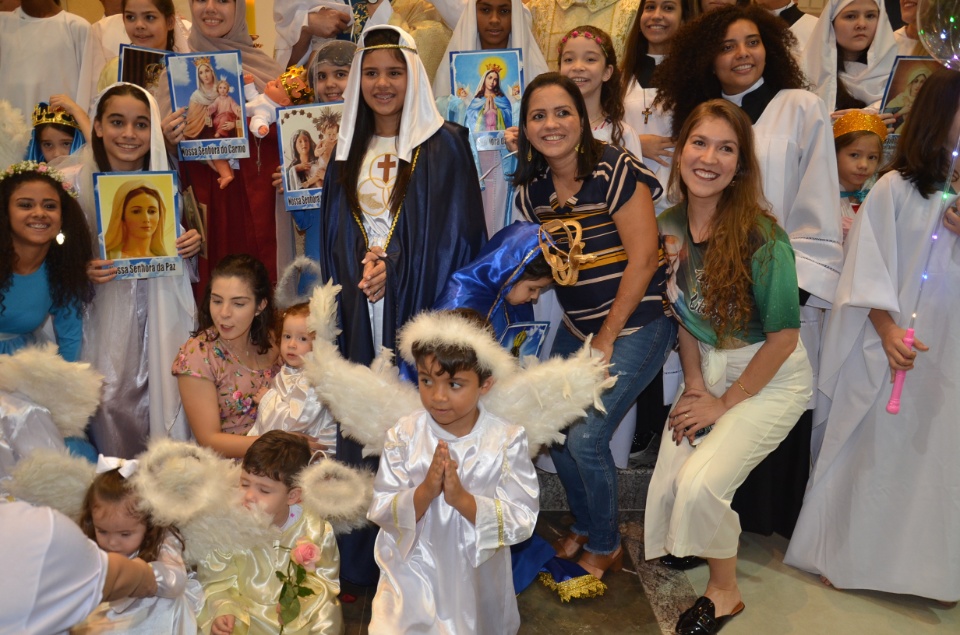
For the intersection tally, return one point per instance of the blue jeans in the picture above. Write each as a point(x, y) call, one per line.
point(584, 463)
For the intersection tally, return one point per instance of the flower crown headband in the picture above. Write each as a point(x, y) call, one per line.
point(586, 34)
point(40, 168)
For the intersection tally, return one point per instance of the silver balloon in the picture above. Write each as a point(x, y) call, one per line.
point(938, 24)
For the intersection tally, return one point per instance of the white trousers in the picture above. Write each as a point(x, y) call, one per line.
point(688, 504)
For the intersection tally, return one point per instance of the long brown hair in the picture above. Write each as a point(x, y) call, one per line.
point(921, 156)
point(111, 488)
point(735, 230)
point(364, 130)
point(637, 47)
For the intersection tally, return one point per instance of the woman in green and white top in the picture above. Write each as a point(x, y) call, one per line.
point(733, 287)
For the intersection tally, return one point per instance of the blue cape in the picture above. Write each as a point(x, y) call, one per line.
point(483, 284)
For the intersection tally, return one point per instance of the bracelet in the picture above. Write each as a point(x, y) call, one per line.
point(749, 394)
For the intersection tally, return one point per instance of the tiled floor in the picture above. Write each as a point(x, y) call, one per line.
point(647, 598)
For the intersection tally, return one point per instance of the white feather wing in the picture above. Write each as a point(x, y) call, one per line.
point(547, 397)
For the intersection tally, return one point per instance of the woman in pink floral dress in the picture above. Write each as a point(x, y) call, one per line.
point(229, 362)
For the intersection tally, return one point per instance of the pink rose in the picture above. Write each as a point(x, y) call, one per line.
point(237, 395)
point(306, 554)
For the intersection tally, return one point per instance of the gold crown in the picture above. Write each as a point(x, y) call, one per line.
point(42, 114)
point(298, 94)
point(493, 66)
point(859, 120)
point(200, 61)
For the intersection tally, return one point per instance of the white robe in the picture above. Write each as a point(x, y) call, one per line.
point(103, 45)
point(637, 102)
point(173, 609)
point(864, 81)
point(794, 145)
point(443, 574)
point(883, 502)
point(28, 44)
point(292, 405)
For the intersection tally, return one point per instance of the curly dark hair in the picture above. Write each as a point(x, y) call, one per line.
point(686, 77)
point(67, 263)
point(254, 273)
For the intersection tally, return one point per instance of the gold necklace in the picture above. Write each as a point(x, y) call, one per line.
point(246, 354)
point(593, 122)
point(396, 217)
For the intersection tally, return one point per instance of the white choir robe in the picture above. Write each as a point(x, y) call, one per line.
point(884, 497)
point(442, 574)
point(798, 162)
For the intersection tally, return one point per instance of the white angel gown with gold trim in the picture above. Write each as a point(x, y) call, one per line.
point(443, 574)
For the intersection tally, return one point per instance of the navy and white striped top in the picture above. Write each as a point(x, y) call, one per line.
point(612, 184)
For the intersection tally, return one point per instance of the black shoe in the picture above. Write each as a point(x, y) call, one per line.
point(701, 619)
point(682, 563)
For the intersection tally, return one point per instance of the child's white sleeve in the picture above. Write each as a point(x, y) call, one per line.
point(169, 570)
point(392, 506)
point(509, 517)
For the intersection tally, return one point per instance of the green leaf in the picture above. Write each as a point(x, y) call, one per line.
point(290, 612)
point(281, 577)
point(305, 591)
point(301, 574)
point(288, 594)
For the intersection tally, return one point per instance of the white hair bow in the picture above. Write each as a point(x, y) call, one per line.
point(127, 467)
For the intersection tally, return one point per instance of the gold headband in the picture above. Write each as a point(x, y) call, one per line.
point(376, 47)
point(859, 120)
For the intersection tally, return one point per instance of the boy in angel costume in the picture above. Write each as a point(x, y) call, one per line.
point(456, 486)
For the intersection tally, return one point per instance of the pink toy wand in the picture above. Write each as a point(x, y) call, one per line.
point(893, 405)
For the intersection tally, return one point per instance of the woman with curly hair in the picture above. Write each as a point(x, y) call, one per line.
point(743, 54)
point(43, 228)
point(732, 286)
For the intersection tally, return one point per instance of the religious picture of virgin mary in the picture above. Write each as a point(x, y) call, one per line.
point(906, 79)
point(139, 222)
point(487, 87)
point(307, 135)
point(210, 87)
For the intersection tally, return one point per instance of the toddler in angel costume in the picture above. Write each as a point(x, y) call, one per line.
point(242, 588)
point(114, 516)
point(291, 403)
point(456, 485)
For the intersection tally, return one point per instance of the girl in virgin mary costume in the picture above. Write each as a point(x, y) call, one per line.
point(392, 241)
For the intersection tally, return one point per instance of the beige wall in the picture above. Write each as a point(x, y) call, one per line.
point(92, 10)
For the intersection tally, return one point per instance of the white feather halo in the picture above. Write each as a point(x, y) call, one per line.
point(70, 391)
point(337, 493)
point(286, 295)
point(177, 481)
point(451, 329)
point(53, 478)
point(229, 528)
